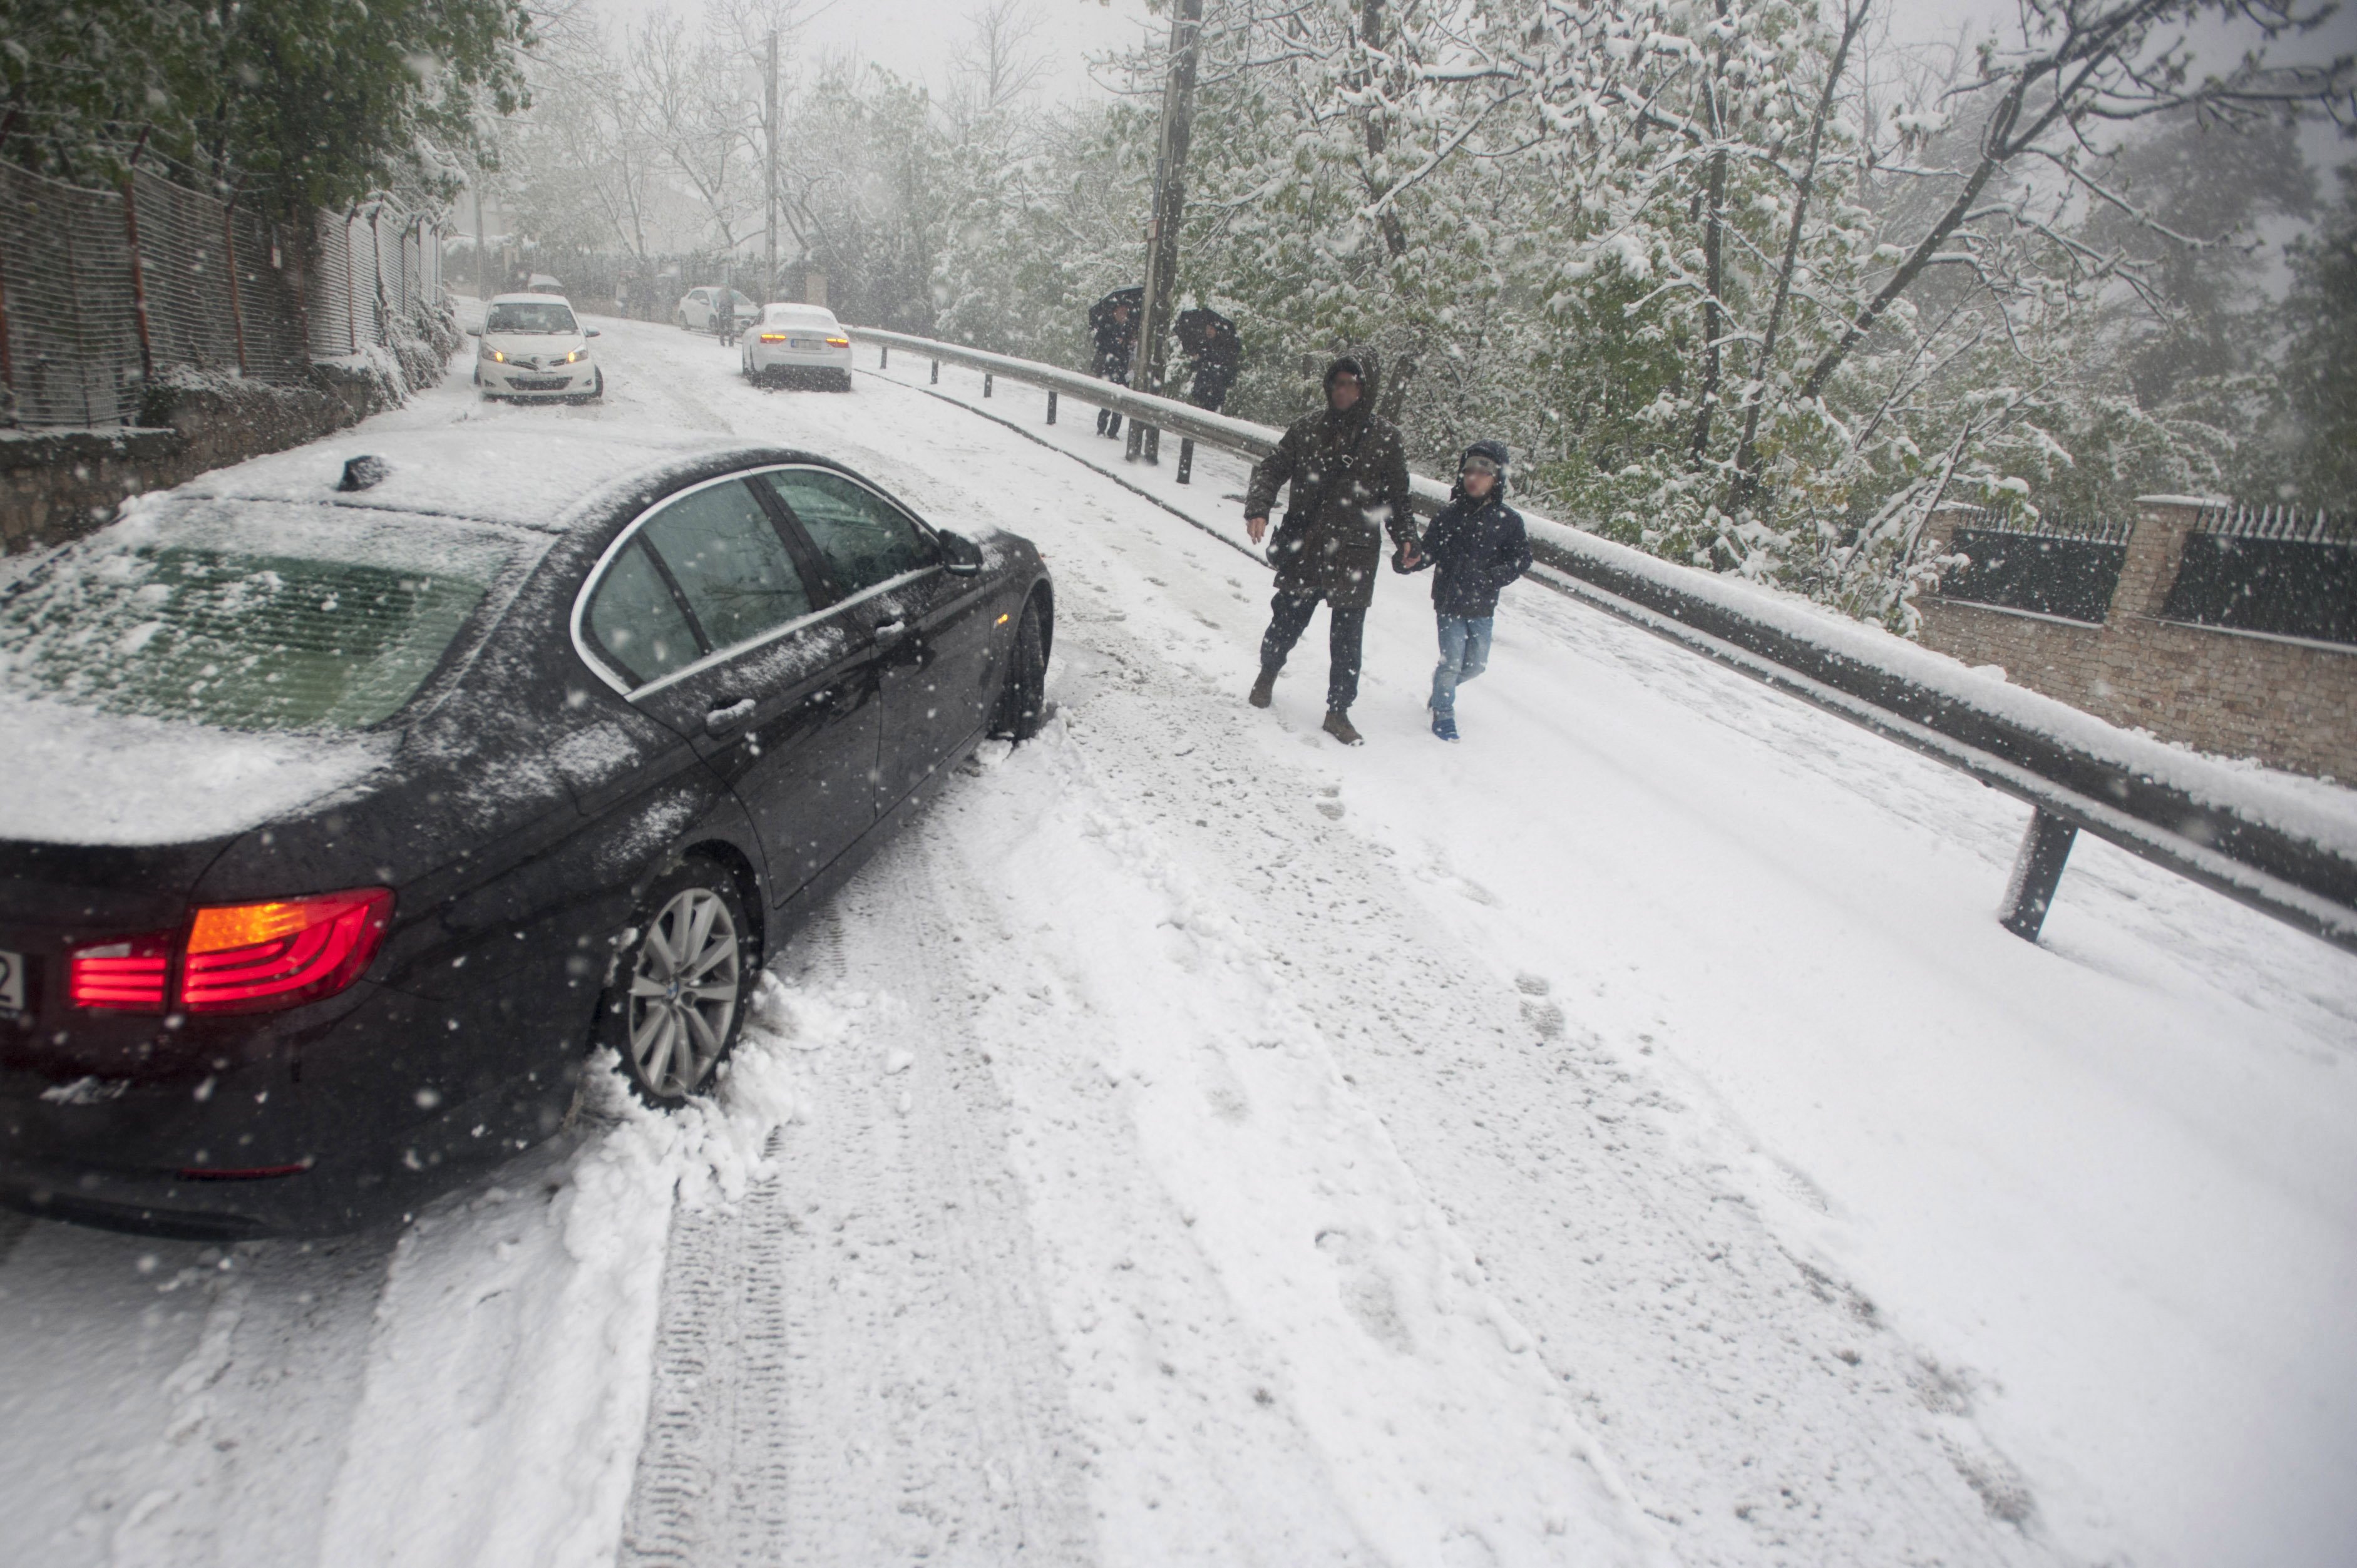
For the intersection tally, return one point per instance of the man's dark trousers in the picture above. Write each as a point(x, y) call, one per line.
point(1346, 629)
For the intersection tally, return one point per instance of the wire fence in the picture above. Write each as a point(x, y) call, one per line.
point(104, 293)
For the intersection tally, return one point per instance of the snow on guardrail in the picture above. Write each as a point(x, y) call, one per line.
point(2283, 844)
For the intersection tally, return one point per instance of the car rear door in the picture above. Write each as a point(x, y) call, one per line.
point(777, 693)
point(931, 629)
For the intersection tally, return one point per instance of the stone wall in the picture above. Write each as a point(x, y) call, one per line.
point(2288, 704)
point(56, 485)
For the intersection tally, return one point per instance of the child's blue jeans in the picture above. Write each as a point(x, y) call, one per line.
point(1464, 653)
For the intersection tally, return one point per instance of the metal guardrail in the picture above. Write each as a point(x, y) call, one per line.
point(2070, 784)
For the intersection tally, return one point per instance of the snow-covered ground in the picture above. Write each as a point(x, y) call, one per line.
point(1625, 1136)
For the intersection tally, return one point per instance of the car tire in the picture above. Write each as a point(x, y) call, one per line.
point(670, 1016)
point(1022, 698)
point(843, 380)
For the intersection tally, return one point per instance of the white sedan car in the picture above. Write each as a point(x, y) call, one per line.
point(697, 307)
point(797, 340)
point(533, 348)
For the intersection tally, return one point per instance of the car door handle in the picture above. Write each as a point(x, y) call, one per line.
point(890, 630)
point(720, 721)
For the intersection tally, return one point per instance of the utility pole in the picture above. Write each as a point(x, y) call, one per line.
point(482, 272)
point(1162, 227)
point(769, 184)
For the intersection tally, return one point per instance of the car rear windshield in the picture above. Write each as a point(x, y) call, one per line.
point(251, 615)
point(515, 316)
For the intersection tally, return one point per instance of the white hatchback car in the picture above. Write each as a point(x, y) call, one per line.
point(697, 307)
point(795, 340)
point(534, 347)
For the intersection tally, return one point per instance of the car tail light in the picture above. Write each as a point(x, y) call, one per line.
point(773, 336)
point(125, 975)
point(838, 342)
point(246, 957)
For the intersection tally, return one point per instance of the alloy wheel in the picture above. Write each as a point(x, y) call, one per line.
point(683, 993)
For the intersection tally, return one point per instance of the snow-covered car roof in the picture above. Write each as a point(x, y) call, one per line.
point(527, 477)
point(780, 310)
point(528, 297)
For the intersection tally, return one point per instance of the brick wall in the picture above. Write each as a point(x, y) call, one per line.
point(2289, 704)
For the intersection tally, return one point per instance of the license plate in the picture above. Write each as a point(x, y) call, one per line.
point(12, 985)
point(537, 384)
point(809, 345)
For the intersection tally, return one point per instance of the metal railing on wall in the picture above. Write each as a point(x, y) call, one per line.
point(104, 292)
point(2051, 566)
point(2281, 571)
point(2203, 822)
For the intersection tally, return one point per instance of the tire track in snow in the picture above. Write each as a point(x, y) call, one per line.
point(853, 1365)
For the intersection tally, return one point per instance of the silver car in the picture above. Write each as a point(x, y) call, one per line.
point(794, 341)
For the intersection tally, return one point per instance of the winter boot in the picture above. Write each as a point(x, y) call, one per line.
point(1337, 725)
point(1444, 725)
point(1263, 689)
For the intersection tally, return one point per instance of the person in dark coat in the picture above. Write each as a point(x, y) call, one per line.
point(1210, 339)
point(1113, 321)
point(1349, 476)
point(1475, 547)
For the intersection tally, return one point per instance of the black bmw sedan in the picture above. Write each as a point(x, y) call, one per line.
point(347, 803)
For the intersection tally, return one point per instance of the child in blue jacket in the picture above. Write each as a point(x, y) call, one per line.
point(1476, 545)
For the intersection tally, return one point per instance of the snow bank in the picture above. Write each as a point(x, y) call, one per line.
point(507, 1389)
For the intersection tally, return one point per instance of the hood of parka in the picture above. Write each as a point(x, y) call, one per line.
point(1496, 452)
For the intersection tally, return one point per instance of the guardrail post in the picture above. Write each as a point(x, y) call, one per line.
point(1186, 459)
point(937, 372)
point(1051, 405)
point(985, 384)
point(2036, 872)
point(884, 357)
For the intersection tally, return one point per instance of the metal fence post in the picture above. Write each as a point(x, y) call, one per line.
point(138, 277)
point(1051, 405)
point(985, 384)
point(937, 372)
point(352, 285)
point(1186, 459)
point(228, 253)
point(2036, 872)
point(884, 358)
point(8, 356)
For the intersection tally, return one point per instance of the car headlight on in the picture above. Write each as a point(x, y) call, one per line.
point(495, 356)
point(575, 358)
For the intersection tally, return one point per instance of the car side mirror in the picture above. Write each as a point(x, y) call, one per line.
point(592, 332)
point(960, 557)
point(474, 332)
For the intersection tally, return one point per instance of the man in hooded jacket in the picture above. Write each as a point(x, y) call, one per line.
point(1349, 476)
point(1476, 545)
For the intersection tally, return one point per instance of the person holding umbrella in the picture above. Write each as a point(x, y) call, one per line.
point(1112, 322)
point(1210, 339)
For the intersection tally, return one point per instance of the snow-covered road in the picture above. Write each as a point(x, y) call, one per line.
point(1626, 1136)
